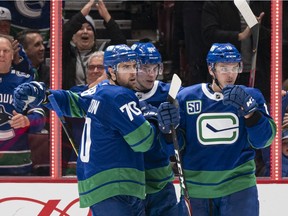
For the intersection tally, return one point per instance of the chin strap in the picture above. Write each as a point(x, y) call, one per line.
point(217, 83)
point(216, 80)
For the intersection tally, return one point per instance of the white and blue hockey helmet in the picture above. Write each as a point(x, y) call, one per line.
point(147, 53)
point(116, 54)
point(224, 53)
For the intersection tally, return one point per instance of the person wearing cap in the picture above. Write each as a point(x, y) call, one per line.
point(81, 31)
point(5, 21)
point(20, 60)
point(222, 125)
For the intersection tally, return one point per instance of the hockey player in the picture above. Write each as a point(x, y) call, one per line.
point(160, 192)
point(110, 166)
point(224, 124)
point(14, 127)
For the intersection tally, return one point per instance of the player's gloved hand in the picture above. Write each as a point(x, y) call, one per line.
point(237, 96)
point(168, 114)
point(149, 112)
point(32, 94)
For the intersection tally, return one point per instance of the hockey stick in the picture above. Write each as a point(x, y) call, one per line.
point(253, 24)
point(60, 115)
point(174, 88)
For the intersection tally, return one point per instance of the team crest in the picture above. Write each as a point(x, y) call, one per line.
point(217, 128)
point(4, 116)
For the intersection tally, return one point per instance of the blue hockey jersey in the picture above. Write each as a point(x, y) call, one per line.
point(218, 156)
point(157, 160)
point(14, 148)
point(115, 135)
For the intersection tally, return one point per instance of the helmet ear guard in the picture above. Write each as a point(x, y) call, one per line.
point(161, 69)
point(212, 66)
point(240, 67)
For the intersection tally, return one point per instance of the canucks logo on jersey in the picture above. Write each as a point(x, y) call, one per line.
point(214, 128)
point(4, 116)
point(217, 128)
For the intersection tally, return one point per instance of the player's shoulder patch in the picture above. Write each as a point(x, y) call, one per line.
point(193, 107)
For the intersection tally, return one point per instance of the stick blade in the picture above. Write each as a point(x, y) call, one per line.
point(246, 12)
point(174, 87)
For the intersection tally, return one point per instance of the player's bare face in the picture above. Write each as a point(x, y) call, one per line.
point(126, 74)
point(35, 49)
point(146, 75)
point(84, 38)
point(96, 70)
point(226, 73)
point(6, 55)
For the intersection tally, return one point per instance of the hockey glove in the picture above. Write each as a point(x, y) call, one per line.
point(168, 114)
point(149, 112)
point(237, 96)
point(32, 94)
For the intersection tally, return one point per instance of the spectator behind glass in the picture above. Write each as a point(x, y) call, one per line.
point(266, 151)
point(32, 42)
point(29, 15)
point(284, 109)
point(95, 74)
point(81, 30)
point(20, 60)
point(285, 153)
point(222, 23)
point(5, 21)
point(14, 127)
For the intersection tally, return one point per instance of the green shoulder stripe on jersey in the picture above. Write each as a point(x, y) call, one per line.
point(75, 109)
point(135, 138)
point(213, 184)
point(109, 183)
point(156, 179)
point(15, 158)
